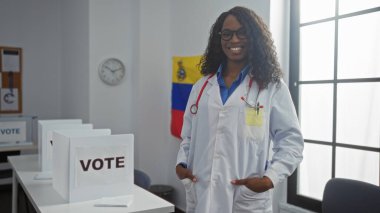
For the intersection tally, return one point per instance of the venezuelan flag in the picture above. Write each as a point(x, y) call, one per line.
point(185, 73)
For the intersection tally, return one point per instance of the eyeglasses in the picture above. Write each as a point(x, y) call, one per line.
point(227, 35)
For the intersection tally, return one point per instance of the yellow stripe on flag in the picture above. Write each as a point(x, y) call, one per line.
point(186, 70)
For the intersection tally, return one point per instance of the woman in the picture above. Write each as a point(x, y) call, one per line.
point(233, 113)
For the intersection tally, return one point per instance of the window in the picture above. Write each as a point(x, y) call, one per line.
point(335, 84)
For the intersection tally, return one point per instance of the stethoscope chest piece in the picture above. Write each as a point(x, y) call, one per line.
point(194, 109)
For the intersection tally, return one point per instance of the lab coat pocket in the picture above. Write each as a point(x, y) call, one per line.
point(255, 134)
point(254, 123)
point(190, 195)
point(247, 200)
point(254, 116)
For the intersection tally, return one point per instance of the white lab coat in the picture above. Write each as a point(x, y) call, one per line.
point(218, 147)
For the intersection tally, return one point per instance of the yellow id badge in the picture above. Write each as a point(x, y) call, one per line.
point(254, 116)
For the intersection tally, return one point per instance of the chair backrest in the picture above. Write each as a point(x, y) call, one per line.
point(142, 179)
point(345, 195)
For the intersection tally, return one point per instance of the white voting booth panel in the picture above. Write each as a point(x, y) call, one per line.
point(45, 142)
point(47, 153)
point(41, 135)
point(82, 132)
point(92, 167)
point(69, 133)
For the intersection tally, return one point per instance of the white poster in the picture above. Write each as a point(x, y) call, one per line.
point(100, 165)
point(9, 99)
point(12, 131)
point(11, 61)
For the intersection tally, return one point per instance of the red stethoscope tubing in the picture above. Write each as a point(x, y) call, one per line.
point(249, 88)
point(250, 83)
point(194, 107)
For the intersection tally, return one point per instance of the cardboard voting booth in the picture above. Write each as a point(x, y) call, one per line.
point(45, 141)
point(87, 167)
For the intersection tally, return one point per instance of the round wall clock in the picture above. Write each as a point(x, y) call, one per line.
point(112, 71)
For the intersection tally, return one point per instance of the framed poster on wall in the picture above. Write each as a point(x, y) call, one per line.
point(10, 80)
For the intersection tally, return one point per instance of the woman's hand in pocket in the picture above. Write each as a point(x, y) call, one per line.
point(255, 184)
point(183, 173)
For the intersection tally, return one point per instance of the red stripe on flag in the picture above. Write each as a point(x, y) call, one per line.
point(176, 124)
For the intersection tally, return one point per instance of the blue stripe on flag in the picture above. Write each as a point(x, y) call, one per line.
point(180, 95)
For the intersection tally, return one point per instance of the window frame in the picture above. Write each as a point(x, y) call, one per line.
point(294, 82)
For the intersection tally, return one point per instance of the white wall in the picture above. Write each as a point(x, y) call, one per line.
point(35, 27)
point(154, 148)
point(113, 33)
point(75, 59)
point(280, 27)
point(191, 21)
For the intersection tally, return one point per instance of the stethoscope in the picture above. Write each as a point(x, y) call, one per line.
point(257, 105)
point(194, 107)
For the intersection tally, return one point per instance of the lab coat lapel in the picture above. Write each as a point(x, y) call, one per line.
point(214, 91)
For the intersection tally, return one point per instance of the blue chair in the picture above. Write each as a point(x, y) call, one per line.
point(350, 196)
point(142, 179)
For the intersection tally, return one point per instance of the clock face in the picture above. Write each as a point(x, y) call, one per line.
point(112, 71)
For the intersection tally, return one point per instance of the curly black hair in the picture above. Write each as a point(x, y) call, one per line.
point(262, 56)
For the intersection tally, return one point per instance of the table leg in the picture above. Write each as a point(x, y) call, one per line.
point(14, 192)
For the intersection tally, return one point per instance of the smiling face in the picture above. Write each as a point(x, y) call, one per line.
point(236, 48)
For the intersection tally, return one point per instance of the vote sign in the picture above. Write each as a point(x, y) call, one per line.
point(12, 131)
point(92, 167)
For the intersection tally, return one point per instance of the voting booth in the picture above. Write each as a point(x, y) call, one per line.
point(16, 135)
point(16, 129)
point(45, 141)
point(89, 166)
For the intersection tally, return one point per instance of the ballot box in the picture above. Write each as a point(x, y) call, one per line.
point(45, 142)
point(87, 167)
point(16, 136)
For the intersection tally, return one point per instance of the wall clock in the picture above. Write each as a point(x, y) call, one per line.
point(111, 71)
